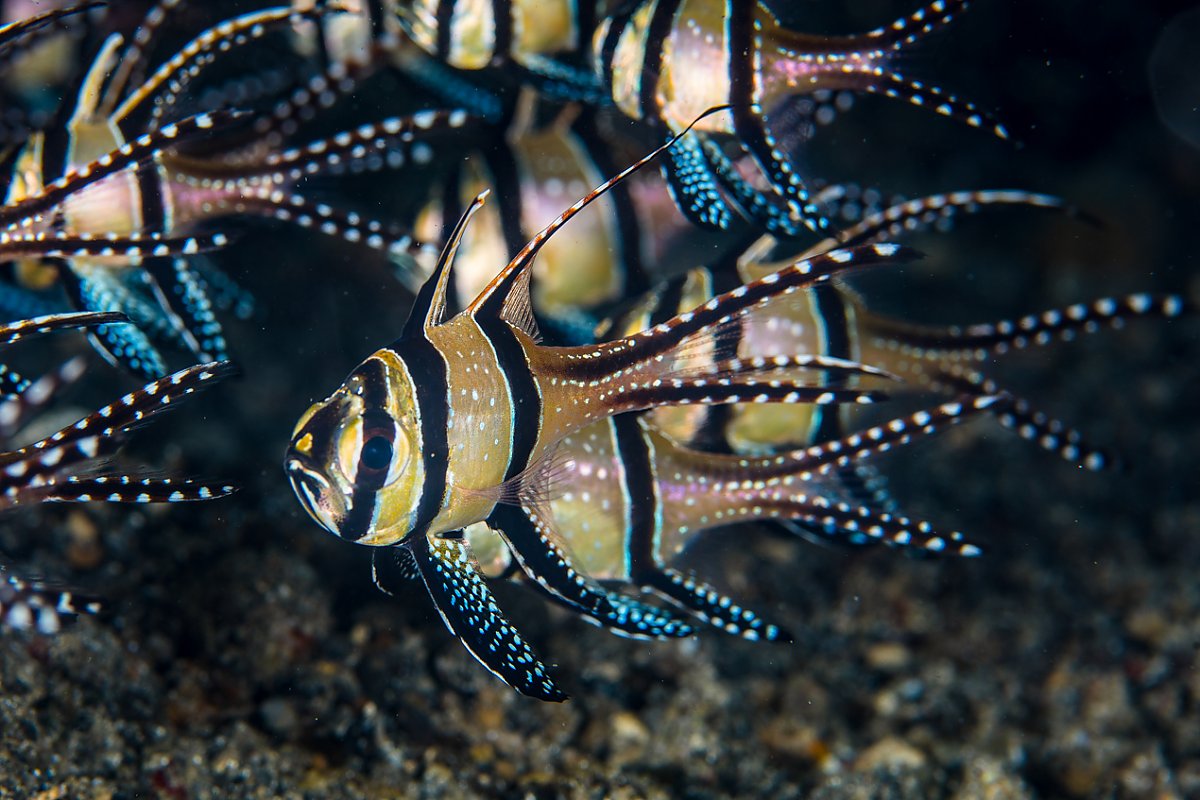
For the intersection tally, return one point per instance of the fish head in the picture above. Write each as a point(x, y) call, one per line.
point(354, 458)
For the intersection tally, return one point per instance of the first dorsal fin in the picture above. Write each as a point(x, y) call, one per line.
point(507, 295)
point(429, 307)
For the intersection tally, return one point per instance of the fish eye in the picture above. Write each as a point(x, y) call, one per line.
point(376, 453)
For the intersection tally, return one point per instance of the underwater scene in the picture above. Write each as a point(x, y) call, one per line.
point(590, 399)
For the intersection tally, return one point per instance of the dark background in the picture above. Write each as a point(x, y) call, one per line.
point(247, 654)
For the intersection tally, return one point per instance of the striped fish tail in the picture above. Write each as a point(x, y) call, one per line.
point(868, 64)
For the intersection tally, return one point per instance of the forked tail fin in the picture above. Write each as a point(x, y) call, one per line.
point(867, 63)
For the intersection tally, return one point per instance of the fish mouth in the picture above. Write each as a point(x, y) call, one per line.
point(315, 493)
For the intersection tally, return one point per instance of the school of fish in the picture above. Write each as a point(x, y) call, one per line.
point(571, 414)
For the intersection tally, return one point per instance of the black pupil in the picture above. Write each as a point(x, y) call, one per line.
point(376, 453)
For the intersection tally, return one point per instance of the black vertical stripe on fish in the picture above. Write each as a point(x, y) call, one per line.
point(375, 14)
point(445, 31)
point(429, 371)
point(522, 388)
point(584, 13)
point(544, 561)
point(612, 37)
point(360, 513)
point(150, 196)
point(642, 503)
point(628, 227)
point(506, 178)
point(830, 314)
point(502, 27)
point(662, 21)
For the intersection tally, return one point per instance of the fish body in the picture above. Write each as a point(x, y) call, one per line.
point(460, 418)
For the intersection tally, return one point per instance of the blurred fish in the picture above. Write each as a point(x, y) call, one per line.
point(72, 465)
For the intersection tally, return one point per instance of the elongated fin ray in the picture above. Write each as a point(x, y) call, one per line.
point(706, 319)
point(774, 367)
point(132, 246)
point(925, 212)
point(469, 610)
point(13, 331)
point(1035, 329)
point(130, 67)
point(197, 52)
point(16, 38)
point(925, 95)
point(711, 605)
point(142, 149)
point(346, 225)
point(17, 411)
point(102, 433)
point(826, 457)
point(1031, 424)
point(914, 27)
point(840, 518)
point(127, 489)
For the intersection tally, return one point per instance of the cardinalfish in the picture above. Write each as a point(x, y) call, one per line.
point(461, 417)
point(665, 61)
point(123, 213)
point(834, 321)
point(73, 465)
